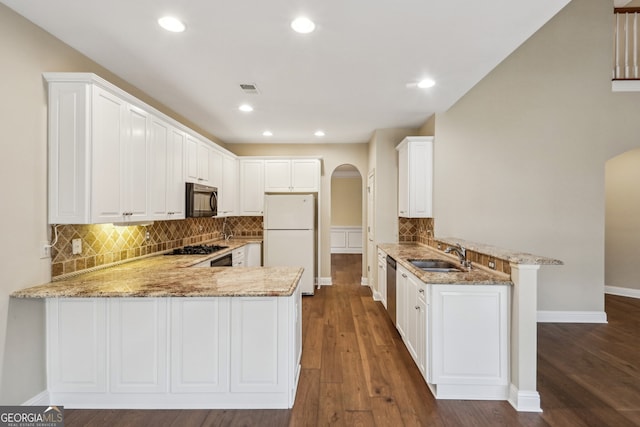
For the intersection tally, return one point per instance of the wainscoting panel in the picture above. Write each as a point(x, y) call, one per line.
point(346, 240)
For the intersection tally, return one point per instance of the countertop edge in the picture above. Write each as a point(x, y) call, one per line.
point(514, 257)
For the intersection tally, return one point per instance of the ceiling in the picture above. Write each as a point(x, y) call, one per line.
point(355, 73)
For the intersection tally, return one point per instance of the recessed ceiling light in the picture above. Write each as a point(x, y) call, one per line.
point(303, 25)
point(246, 108)
point(426, 83)
point(267, 133)
point(172, 24)
point(319, 133)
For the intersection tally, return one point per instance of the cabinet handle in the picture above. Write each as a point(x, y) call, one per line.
point(421, 291)
point(404, 275)
point(417, 307)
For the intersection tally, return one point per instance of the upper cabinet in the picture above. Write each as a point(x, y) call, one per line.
point(291, 175)
point(251, 187)
point(415, 177)
point(228, 188)
point(113, 158)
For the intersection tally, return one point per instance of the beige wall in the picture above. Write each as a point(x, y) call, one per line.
point(520, 159)
point(346, 201)
point(622, 215)
point(333, 155)
point(27, 52)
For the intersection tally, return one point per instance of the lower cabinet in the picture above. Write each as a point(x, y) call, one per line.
point(172, 353)
point(382, 278)
point(458, 336)
point(253, 254)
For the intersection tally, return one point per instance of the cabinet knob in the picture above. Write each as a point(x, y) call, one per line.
point(404, 275)
point(417, 307)
point(421, 291)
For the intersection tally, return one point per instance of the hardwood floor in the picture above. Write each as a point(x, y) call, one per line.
point(357, 372)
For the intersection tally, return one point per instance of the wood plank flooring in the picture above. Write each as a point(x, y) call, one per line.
point(357, 372)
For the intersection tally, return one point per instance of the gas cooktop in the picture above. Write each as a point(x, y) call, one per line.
point(197, 250)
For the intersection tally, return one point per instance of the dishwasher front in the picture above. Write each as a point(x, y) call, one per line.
point(391, 288)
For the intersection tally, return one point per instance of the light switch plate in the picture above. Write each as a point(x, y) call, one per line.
point(76, 246)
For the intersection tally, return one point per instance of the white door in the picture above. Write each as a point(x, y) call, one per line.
point(292, 248)
point(289, 212)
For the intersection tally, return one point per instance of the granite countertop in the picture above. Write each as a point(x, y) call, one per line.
point(173, 276)
point(514, 257)
point(402, 252)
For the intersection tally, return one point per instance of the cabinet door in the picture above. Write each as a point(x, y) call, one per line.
point(411, 337)
point(470, 326)
point(403, 181)
point(305, 175)
point(259, 357)
point(76, 344)
point(204, 176)
point(215, 169)
point(191, 159)
point(401, 301)
point(421, 179)
point(138, 354)
point(175, 175)
point(135, 205)
point(199, 344)
point(158, 168)
point(253, 255)
point(229, 196)
point(421, 342)
point(108, 134)
point(251, 187)
point(277, 176)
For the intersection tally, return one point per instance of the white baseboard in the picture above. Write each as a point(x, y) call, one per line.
point(40, 399)
point(622, 292)
point(324, 281)
point(571, 316)
point(364, 281)
point(524, 401)
point(377, 296)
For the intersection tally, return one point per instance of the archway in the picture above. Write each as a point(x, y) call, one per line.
point(346, 211)
point(622, 224)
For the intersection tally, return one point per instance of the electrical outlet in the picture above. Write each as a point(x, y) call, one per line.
point(45, 250)
point(492, 264)
point(147, 235)
point(76, 246)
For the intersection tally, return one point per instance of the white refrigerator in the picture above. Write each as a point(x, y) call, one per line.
point(290, 234)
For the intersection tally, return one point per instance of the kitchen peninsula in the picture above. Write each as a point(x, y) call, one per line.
point(472, 332)
point(161, 333)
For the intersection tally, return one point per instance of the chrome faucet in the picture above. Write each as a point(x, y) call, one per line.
point(461, 252)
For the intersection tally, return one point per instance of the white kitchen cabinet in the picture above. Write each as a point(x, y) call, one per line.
point(251, 187)
point(422, 338)
point(382, 277)
point(407, 310)
point(238, 257)
point(175, 175)
point(402, 308)
point(138, 350)
point(470, 341)
point(200, 345)
point(253, 254)
point(166, 174)
point(228, 191)
point(197, 168)
point(415, 177)
point(291, 175)
point(76, 344)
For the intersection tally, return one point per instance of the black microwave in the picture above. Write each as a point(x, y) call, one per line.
point(201, 201)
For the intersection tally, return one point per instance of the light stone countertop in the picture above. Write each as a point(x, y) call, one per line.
point(173, 276)
point(514, 257)
point(402, 252)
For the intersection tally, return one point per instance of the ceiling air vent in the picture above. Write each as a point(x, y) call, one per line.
point(249, 88)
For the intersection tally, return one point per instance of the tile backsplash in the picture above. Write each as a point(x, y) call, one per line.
point(104, 244)
point(415, 230)
point(420, 230)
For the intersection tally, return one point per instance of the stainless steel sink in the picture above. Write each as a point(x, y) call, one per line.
point(435, 265)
